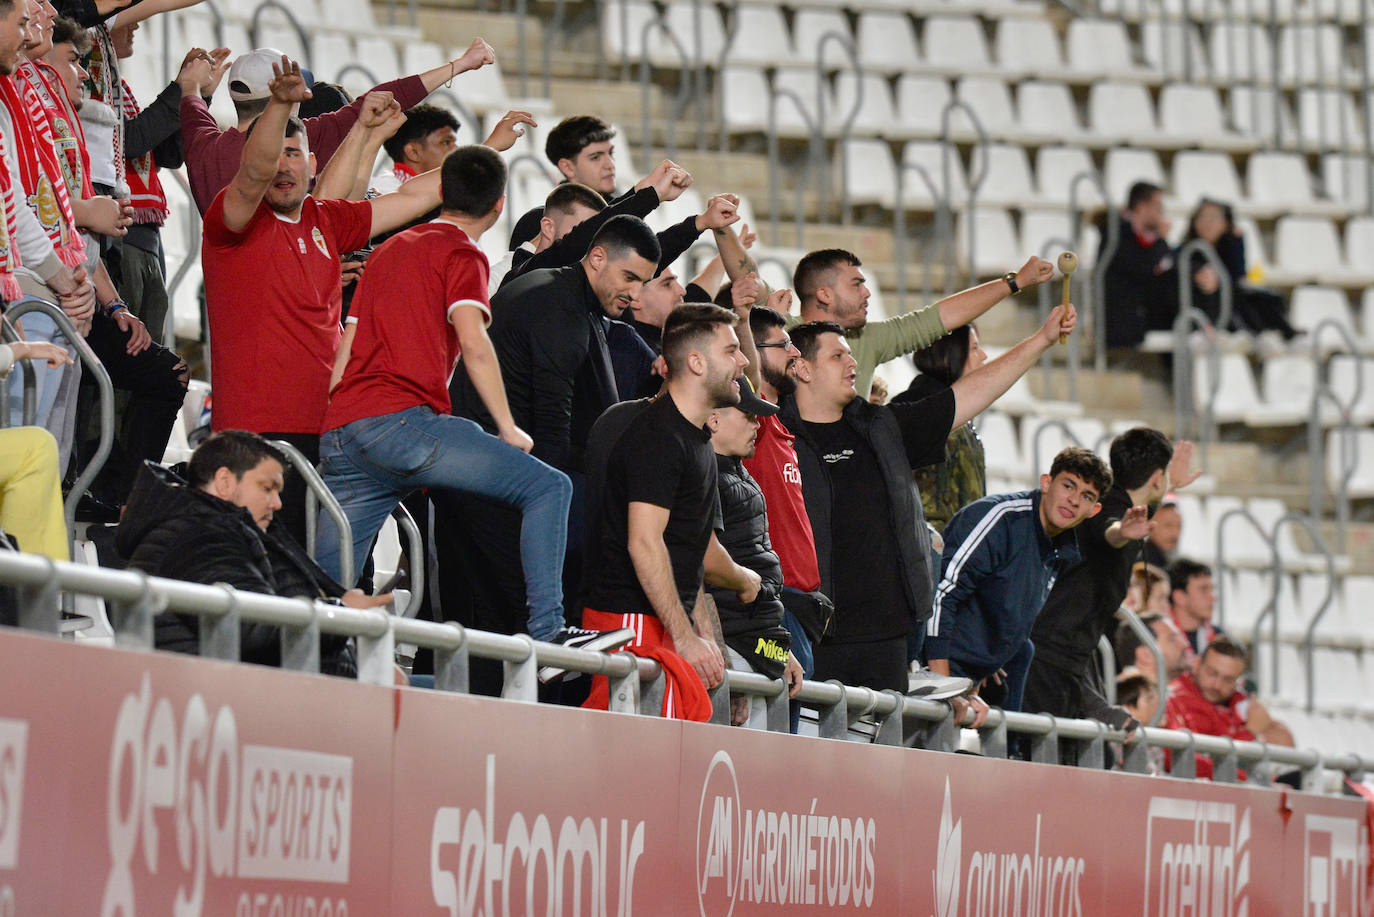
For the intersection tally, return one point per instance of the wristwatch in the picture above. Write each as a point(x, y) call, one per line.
point(1010, 278)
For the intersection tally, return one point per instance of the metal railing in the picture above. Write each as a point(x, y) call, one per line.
point(1346, 428)
point(681, 101)
point(636, 684)
point(254, 26)
point(975, 181)
point(1187, 422)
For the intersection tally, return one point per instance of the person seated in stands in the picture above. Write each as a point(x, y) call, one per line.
point(755, 637)
point(831, 287)
point(1210, 700)
point(1149, 589)
point(855, 461)
point(1192, 602)
point(1141, 280)
point(1001, 558)
point(1131, 653)
point(217, 527)
point(213, 154)
point(581, 148)
point(1162, 544)
point(30, 481)
point(1253, 309)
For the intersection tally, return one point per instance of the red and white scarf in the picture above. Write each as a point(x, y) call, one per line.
point(105, 86)
point(403, 172)
point(145, 189)
point(69, 135)
point(9, 226)
point(45, 189)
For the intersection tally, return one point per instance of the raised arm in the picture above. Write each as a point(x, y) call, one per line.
point(479, 356)
point(967, 305)
point(339, 177)
point(407, 203)
point(980, 388)
point(146, 9)
point(263, 151)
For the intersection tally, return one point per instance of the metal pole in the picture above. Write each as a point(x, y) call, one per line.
point(317, 487)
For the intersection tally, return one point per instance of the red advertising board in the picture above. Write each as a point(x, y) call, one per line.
point(153, 784)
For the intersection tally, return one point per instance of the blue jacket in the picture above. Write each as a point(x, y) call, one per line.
point(998, 568)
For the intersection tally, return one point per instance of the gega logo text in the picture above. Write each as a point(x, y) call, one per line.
point(247, 812)
point(1197, 859)
point(759, 856)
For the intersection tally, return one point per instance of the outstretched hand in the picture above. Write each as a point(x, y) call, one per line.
point(1136, 523)
point(379, 106)
point(1062, 321)
point(288, 83)
point(1035, 270)
point(478, 55)
point(721, 211)
point(508, 130)
point(1179, 474)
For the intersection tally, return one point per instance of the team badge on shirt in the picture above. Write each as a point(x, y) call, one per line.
point(319, 241)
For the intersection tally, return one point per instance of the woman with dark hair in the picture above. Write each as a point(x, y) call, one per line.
point(962, 477)
point(1253, 309)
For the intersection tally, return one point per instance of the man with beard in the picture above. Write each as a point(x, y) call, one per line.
point(272, 276)
point(658, 510)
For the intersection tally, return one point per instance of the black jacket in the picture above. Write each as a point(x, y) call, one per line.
point(1140, 288)
point(165, 517)
point(672, 242)
point(745, 539)
point(904, 437)
point(556, 369)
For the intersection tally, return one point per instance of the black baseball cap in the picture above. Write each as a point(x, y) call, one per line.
point(751, 403)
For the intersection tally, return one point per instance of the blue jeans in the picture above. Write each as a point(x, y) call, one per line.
point(371, 464)
point(56, 415)
point(801, 649)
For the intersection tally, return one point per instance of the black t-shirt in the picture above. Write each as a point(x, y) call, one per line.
point(661, 458)
point(1082, 605)
point(870, 603)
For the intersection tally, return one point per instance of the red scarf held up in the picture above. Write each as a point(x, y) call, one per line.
point(9, 253)
point(44, 187)
point(145, 190)
point(69, 135)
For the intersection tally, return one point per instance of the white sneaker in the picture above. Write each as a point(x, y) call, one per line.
point(580, 638)
point(928, 685)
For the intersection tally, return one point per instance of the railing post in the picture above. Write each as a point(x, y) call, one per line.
point(1184, 761)
point(834, 718)
point(993, 736)
point(651, 696)
point(300, 646)
point(1135, 754)
point(1147, 638)
point(624, 692)
point(219, 633)
point(377, 655)
point(1224, 767)
point(778, 711)
point(942, 734)
point(1092, 752)
point(40, 606)
point(522, 678)
point(846, 126)
point(1045, 748)
point(720, 701)
point(133, 621)
point(974, 183)
point(451, 668)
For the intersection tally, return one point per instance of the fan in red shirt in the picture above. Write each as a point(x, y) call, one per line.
point(271, 263)
point(1208, 701)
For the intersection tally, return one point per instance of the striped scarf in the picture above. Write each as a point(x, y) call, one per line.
point(145, 189)
point(9, 253)
point(106, 86)
point(45, 189)
point(67, 131)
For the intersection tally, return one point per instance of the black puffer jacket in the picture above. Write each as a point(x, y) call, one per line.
point(175, 531)
point(746, 541)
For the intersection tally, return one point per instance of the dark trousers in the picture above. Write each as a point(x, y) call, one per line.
point(879, 664)
point(152, 380)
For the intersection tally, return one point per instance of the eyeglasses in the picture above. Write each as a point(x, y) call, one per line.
point(785, 342)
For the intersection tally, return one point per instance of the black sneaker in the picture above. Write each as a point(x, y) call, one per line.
point(580, 638)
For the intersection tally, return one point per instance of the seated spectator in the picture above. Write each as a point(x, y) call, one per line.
point(1209, 700)
point(948, 486)
point(830, 287)
point(1149, 589)
point(30, 481)
point(755, 638)
point(1131, 653)
point(1002, 555)
point(225, 508)
point(1141, 283)
point(1162, 544)
point(1253, 309)
point(1192, 602)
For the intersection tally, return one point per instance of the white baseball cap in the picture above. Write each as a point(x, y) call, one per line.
point(251, 74)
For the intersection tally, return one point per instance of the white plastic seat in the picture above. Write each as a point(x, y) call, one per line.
point(930, 157)
point(1306, 249)
point(1056, 167)
point(1236, 394)
point(1314, 305)
point(804, 86)
point(1345, 178)
point(1252, 113)
point(1281, 181)
point(379, 56)
point(869, 172)
point(1019, 399)
point(1243, 596)
point(996, 248)
point(274, 31)
point(1126, 166)
point(1286, 384)
point(1359, 248)
point(1192, 114)
point(1100, 49)
point(876, 116)
point(1052, 438)
point(744, 101)
point(1200, 173)
point(1343, 371)
point(768, 42)
point(1028, 47)
point(681, 19)
point(1243, 545)
point(1122, 112)
point(812, 25)
point(1007, 180)
point(1001, 447)
point(1358, 447)
point(1195, 538)
point(955, 44)
point(990, 100)
point(1173, 49)
point(920, 102)
point(1048, 112)
point(1336, 679)
point(1357, 599)
point(1241, 52)
point(1047, 232)
point(1313, 54)
point(1327, 120)
point(419, 56)
point(887, 41)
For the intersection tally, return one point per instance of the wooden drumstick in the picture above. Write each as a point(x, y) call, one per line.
point(1068, 263)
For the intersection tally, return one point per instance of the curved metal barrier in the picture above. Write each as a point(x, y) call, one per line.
point(846, 125)
point(684, 90)
point(317, 493)
point(1316, 443)
point(636, 683)
point(264, 6)
point(974, 183)
point(1147, 639)
point(1045, 300)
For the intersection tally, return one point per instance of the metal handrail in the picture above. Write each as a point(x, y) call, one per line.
point(91, 364)
point(1316, 443)
point(775, 164)
point(317, 493)
point(1040, 431)
point(1147, 640)
point(723, 135)
point(1271, 606)
point(941, 199)
point(1320, 544)
point(684, 89)
point(552, 28)
point(415, 545)
point(1184, 396)
point(635, 682)
point(974, 183)
point(290, 18)
point(846, 126)
point(1096, 301)
point(355, 67)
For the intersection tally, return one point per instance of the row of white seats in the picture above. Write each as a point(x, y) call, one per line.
point(1341, 682)
point(1287, 386)
point(888, 42)
point(1263, 11)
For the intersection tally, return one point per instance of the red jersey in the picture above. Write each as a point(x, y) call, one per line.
point(1188, 709)
point(404, 348)
point(774, 466)
point(274, 297)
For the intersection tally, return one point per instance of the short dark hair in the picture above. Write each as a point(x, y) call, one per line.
point(295, 127)
point(687, 327)
point(1141, 192)
point(472, 179)
point(624, 233)
point(944, 360)
point(1126, 640)
point(1137, 454)
point(572, 135)
point(1131, 686)
point(1183, 571)
point(806, 336)
point(806, 279)
point(567, 195)
point(237, 450)
point(762, 318)
point(324, 98)
point(1084, 463)
point(1225, 646)
point(67, 31)
point(421, 121)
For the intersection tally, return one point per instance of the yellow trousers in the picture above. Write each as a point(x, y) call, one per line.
point(31, 492)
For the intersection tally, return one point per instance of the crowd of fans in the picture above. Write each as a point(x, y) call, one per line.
point(600, 455)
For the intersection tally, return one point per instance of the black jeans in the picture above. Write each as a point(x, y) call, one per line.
point(879, 664)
